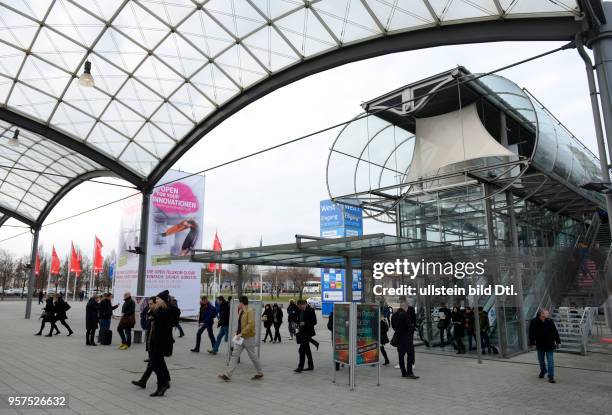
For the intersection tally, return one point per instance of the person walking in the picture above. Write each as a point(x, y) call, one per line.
point(145, 320)
point(444, 323)
point(244, 338)
point(106, 311)
point(404, 324)
point(160, 344)
point(206, 320)
point(222, 323)
point(40, 297)
point(292, 311)
point(48, 316)
point(266, 318)
point(485, 343)
point(127, 321)
point(174, 303)
point(92, 318)
point(277, 321)
point(61, 308)
point(544, 336)
point(384, 338)
point(470, 327)
point(458, 320)
point(307, 320)
point(81, 295)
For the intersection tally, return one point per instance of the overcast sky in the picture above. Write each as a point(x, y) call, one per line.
point(276, 195)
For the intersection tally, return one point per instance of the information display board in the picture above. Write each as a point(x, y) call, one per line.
point(368, 334)
point(341, 335)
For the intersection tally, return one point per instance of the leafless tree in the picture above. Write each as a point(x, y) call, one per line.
point(7, 268)
point(299, 276)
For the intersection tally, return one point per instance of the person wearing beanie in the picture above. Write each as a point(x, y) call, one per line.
point(160, 344)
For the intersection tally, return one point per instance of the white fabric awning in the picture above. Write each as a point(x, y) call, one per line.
point(452, 138)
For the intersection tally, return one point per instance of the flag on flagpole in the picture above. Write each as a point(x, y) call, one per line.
point(216, 247)
point(37, 266)
point(98, 258)
point(111, 270)
point(75, 263)
point(55, 263)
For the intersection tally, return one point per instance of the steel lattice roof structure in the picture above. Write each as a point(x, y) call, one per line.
point(168, 71)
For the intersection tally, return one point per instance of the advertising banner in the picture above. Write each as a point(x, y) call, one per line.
point(341, 332)
point(176, 214)
point(175, 228)
point(368, 327)
point(126, 268)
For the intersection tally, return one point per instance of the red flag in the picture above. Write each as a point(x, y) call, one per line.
point(55, 263)
point(37, 267)
point(98, 259)
point(216, 247)
point(75, 263)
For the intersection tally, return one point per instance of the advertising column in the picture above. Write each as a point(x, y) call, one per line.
point(338, 221)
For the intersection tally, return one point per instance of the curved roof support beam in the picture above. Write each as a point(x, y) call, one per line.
point(74, 145)
point(541, 29)
point(3, 219)
point(19, 217)
point(57, 197)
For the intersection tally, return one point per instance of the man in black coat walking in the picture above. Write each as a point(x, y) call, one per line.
point(160, 344)
point(91, 319)
point(404, 324)
point(544, 335)
point(48, 317)
point(307, 320)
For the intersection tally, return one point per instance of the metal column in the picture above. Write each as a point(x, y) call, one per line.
point(348, 280)
point(602, 48)
point(518, 275)
point(144, 237)
point(32, 278)
point(239, 281)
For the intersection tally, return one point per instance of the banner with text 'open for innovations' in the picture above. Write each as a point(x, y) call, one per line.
point(176, 215)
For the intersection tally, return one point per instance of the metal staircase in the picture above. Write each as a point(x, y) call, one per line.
point(575, 327)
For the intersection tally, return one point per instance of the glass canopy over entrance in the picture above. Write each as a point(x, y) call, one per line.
point(165, 72)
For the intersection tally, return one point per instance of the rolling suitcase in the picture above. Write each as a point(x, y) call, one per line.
point(106, 337)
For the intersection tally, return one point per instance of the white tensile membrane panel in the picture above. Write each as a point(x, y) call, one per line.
point(451, 138)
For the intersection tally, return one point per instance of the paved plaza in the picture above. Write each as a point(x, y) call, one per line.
point(97, 379)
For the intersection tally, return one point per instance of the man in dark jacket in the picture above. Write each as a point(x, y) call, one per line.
point(160, 344)
point(306, 321)
point(444, 323)
point(292, 311)
point(404, 324)
point(106, 311)
point(544, 335)
point(223, 324)
point(91, 319)
point(127, 321)
point(206, 321)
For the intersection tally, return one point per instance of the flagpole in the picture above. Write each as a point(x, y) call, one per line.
point(260, 286)
point(74, 288)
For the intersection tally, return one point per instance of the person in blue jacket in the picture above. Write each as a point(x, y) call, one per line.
point(206, 320)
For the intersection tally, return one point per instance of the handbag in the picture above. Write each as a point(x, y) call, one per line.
point(394, 340)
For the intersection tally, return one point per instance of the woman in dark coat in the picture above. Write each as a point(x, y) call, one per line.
point(60, 312)
point(266, 317)
point(91, 319)
point(384, 338)
point(458, 320)
point(277, 320)
point(48, 316)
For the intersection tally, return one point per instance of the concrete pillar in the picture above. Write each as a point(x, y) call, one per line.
point(239, 281)
point(348, 280)
point(144, 237)
point(28, 310)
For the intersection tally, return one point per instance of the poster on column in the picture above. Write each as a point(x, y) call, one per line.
point(125, 277)
point(176, 215)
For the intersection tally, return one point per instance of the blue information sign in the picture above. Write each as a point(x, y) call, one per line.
point(339, 221)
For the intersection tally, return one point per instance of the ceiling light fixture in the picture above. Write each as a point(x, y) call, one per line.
point(86, 79)
point(14, 141)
